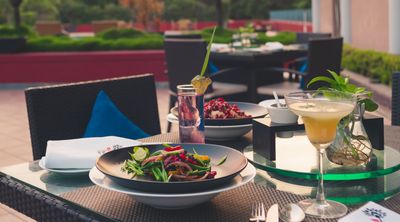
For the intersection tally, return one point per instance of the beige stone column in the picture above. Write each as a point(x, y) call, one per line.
point(316, 15)
point(345, 19)
point(394, 26)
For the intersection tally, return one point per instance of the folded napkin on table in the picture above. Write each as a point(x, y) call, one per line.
point(81, 153)
point(371, 212)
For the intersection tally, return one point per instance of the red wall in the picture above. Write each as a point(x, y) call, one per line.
point(79, 66)
point(293, 26)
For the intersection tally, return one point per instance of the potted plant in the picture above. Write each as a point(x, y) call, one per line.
point(351, 146)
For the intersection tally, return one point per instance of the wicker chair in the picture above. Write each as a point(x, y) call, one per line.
point(323, 55)
point(396, 99)
point(62, 111)
point(305, 37)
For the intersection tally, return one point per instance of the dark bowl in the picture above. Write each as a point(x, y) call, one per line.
point(255, 110)
point(110, 164)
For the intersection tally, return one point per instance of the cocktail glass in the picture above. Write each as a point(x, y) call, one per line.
point(321, 111)
point(191, 115)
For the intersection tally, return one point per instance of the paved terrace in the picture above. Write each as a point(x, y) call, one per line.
point(15, 144)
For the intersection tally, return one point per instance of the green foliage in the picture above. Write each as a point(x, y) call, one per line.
point(113, 39)
point(342, 84)
point(38, 11)
point(29, 18)
point(99, 2)
point(193, 9)
point(302, 4)
point(120, 33)
point(221, 35)
point(373, 64)
point(11, 32)
point(77, 12)
point(205, 63)
point(53, 44)
point(5, 10)
point(256, 9)
point(282, 37)
point(249, 9)
point(205, 10)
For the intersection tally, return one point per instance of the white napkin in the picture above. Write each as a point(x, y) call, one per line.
point(216, 47)
point(371, 212)
point(82, 153)
point(273, 46)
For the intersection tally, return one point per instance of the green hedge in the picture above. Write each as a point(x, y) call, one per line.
point(376, 65)
point(221, 35)
point(7, 31)
point(119, 39)
point(113, 39)
point(225, 36)
point(52, 44)
point(120, 33)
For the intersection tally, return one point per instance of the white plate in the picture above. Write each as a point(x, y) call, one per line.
point(172, 201)
point(61, 171)
point(219, 133)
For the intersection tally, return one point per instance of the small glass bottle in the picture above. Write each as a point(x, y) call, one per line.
point(191, 115)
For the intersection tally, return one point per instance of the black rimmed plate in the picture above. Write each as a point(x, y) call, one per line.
point(255, 110)
point(110, 164)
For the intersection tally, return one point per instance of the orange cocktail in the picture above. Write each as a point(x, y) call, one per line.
point(321, 118)
point(321, 111)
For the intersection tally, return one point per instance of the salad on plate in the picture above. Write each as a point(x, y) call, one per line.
point(172, 163)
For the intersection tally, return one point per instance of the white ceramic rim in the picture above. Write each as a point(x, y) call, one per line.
point(64, 171)
point(250, 171)
point(269, 102)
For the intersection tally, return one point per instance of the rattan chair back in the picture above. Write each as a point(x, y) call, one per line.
point(323, 55)
point(60, 112)
point(305, 37)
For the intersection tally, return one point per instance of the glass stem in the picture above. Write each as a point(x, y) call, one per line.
point(320, 198)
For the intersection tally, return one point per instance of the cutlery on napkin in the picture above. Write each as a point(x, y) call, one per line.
point(82, 153)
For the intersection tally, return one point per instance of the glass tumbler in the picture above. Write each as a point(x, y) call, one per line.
point(191, 115)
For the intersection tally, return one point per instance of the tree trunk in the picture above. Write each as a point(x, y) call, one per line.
point(220, 16)
point(17, 17)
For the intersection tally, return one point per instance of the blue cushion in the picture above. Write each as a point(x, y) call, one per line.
point(107, 120)
point(212, 68)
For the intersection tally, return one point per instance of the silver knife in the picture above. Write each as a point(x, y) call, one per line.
point(273, 214)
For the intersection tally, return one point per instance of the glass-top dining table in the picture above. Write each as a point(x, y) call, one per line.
point(47, 196)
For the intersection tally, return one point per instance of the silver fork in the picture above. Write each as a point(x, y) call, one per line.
point(257, 212)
